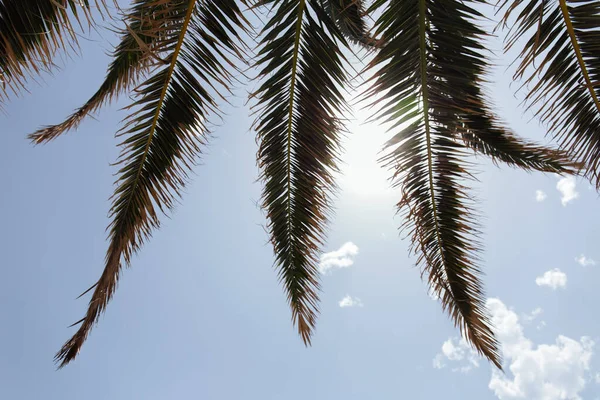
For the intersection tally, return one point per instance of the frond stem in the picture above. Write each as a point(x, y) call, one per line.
point(425, 99)
point(163, 93)
point(565, 12)
point(295, 57)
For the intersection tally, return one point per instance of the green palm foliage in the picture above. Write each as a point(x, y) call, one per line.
point(425, 73)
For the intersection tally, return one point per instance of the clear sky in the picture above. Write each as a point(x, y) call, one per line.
point(201, 315)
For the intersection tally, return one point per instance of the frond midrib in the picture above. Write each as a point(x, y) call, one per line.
point(184, 27)
point(425, 100)
point(295, 56)
point(571, 30)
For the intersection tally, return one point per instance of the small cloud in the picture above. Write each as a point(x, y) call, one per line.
point(350, 301)
point(597, 377)
point(458, 353)
point(540, 196)
point(341, 258)
point(584, 261)
point(566, 186)
point(532, 315)
point(554, 279)
point(541, 325)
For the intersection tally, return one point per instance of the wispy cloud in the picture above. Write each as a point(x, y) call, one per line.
point(554, 279)
point(457, 354)
point(584, 261)
point(350, 301)
point(540, 195)
point(341, 258)
point(566, 186)
point(555, 371)
point(532, 315)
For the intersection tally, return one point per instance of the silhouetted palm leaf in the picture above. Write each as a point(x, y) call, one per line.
point(349, 17)
point(164, 136)
point(132, 56)
point(298, 128)
point(428, 72)
point(31, 32)
point(488, 137)
point(563, 85)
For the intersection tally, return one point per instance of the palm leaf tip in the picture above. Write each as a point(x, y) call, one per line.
point(299, 102)
point(132, 57)
point(164, 135)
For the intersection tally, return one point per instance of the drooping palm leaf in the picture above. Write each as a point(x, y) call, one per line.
point(350, 18)
point(299, 103)
point(31, 32)
point(427, 77)
point(488, 137)
point(164, 136)
point(560, 63)
point(134, 55)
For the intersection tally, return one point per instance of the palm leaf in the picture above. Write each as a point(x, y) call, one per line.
point(563, 84)
point(488, 137)
point(31, 33)
point(427, 79)
point(131, 57)
point(299, 102)
point(164, 136)
point(349, 16)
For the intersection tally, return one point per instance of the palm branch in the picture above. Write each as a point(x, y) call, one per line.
point(32, 32)
point(428, 75)
point(164, 135)
point(563, 85)
point(134, 55)
point(349, 17)
point(299, 104)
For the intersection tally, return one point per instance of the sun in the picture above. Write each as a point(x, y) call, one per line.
point(361, 172)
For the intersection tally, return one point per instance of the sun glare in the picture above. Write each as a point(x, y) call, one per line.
point(362, 173)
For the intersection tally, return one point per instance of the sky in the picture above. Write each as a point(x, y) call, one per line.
point(200, 313)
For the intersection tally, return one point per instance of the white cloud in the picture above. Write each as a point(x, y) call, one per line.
point(459, 353)
point(341, 258)
point(584, 261)
point(350, 301)
point(566, 186)
point(554, 279)
point(532, 315)
point(556, 371)
point(541, 325)
point(543, 372)
point(540, 196)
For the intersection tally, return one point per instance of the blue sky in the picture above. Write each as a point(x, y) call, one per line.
point(201, 315)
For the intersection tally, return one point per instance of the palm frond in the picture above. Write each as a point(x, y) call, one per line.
point(299, 102)
point(31, 33)
point(563, 88)
point(427, 79)
point(350, 18)
point(134, 55)
point(165, 134)
point(488, 137)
